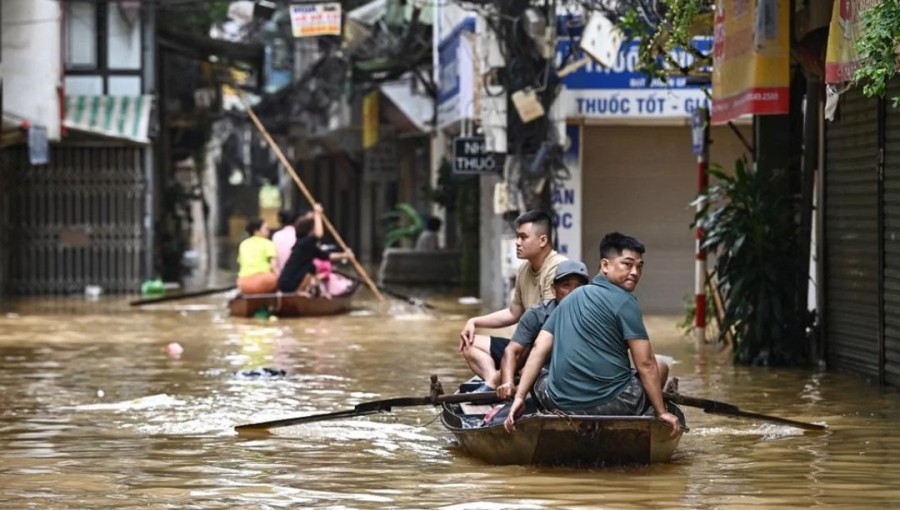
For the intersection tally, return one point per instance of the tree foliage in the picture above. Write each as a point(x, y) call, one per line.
point(746, 223)
point(192, 17)
point(660, 33)
point(877, 47)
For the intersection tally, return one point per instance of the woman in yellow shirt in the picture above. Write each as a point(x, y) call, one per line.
point(256, 258)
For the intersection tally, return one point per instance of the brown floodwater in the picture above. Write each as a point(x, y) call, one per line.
point(95, 414)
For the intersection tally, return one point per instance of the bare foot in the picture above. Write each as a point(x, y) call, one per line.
point(671, 386)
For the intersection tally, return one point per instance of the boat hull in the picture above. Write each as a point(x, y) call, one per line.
point(547, 439)
point(291, 305)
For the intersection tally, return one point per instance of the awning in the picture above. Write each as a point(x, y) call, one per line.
point(11, 129)
point(124, 117)
point(410, 110)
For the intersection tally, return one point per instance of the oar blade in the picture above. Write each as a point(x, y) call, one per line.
point(373, 407)
point(726, 409)
point(299, 420)
point(772, 419)
point(182, 295)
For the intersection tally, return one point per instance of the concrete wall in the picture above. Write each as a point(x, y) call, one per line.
point(494, 288)
point(31, 62)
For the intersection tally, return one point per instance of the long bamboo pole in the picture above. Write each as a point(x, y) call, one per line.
point(287, 164)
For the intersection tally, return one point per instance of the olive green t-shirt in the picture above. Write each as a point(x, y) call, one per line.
point(591, 328)
point(532, 287)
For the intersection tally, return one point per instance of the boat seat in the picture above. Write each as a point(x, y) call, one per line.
point(475, 408)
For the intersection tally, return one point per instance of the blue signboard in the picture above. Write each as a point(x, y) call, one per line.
point(567, 198)
point(622, 91)
point(448, 60)
point(624, 74)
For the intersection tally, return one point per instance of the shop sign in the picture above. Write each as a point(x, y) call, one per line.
point(455, 94)
point(567, 199)
point(308, 20)
point(371, 120)
point(470, 157)
point(38, 148)
point(841, 57)
point(623, 92)
point(751, 58)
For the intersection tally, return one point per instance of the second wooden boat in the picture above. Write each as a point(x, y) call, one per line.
point(291, 304)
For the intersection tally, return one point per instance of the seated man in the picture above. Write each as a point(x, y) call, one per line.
point(570, 274)
point(534, 281)
point(590, 336)
point(428, 239)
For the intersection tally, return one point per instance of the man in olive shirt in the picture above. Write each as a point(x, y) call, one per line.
point(534, 283)
point(590, 335)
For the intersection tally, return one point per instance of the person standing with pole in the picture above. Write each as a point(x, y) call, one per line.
point(287, 165)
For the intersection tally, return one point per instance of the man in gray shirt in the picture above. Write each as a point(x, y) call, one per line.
point(570, 274)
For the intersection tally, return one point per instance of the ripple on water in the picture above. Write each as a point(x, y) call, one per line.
point(63, 446)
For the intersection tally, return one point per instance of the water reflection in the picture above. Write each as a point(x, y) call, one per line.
point(95, 413)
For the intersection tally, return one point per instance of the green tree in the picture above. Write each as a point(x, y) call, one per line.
point(746, 223)
point(877, 46)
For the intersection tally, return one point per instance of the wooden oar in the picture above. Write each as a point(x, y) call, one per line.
point(376, 406)
point(725, 409)
point(180, 295)
point(293, 173)
point(409, 299)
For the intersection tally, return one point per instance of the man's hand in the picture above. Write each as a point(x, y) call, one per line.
point(516, 409)
point(672, 420)
point(317, 207)
point(506, 390)
point(467, 335)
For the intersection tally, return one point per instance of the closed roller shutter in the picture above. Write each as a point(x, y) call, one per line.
point(641, 181)
point(891, 187)
point(851, 236)
point(76, 222)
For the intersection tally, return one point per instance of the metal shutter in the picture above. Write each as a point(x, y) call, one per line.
point(851, 236)
point(891, 187)
point(78, 221)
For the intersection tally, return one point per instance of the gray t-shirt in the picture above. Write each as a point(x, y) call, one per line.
point(591, 329)
point(532, 322)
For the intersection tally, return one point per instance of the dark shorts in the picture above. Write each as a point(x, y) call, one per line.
point(631, 401)
point(498, 345)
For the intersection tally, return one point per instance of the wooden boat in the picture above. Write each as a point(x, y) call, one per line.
point(549, 439)
point(292, 305)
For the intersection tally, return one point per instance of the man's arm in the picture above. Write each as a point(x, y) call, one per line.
point(508, 365)
point(318, 230)
point(542, 347)
point(498, 319)
point(645, 363)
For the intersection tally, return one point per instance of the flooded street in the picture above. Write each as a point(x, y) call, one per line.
point(95, 414)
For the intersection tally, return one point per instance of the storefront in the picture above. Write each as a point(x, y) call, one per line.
point(637, 173)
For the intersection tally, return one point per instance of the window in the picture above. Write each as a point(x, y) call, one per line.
point(124, 86)
point(104, 47)
point(81, 35)
point(123, 43)
point(84, 85)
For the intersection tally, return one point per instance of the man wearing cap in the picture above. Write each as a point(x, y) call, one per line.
point(590, 336)
point(570, 274)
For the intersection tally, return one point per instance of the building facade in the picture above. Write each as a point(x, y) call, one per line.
point(78, 86)
point(628, 161)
